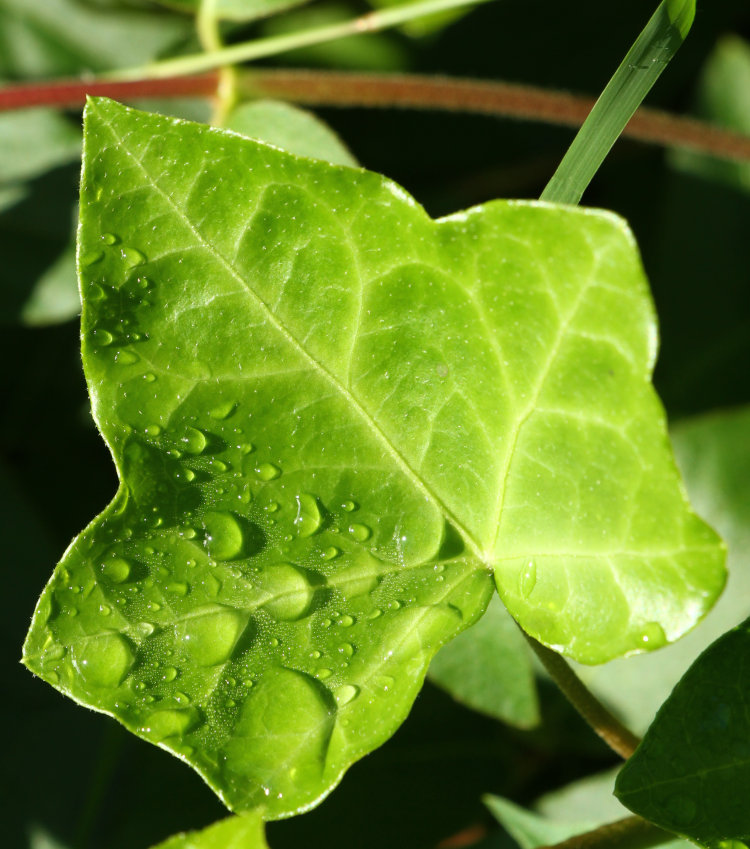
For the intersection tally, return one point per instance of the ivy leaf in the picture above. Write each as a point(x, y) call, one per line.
point(333, 418)
point(290, 128)
point(488, 668)
point(691, 772)
point(239, 832)
point(529, 829)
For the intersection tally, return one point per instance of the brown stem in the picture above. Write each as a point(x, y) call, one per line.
point(73, 93)
point(628, 833)
point(342, 88)
point(608, 727)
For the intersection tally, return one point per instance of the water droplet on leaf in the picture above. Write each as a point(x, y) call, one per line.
point(268, 472)
point(346, 694)
point(290, 592)
point(224, 537)
point(360, 532)
point(308, 519)
point(103, 660)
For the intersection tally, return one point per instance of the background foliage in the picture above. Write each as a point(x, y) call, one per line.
point(75, 779)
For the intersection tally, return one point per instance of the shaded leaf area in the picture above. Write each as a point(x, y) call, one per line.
point(238, 832)
point(236, 10)
point(529, 829)
point(714, 455)
point(304, 382)
point(692, 770)
point(290, 128)
point(49, 38)
point(39, 152)
point(488, 668)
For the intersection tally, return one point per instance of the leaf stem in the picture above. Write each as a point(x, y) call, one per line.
point(639, 70)
point(619, 738)
point(263, 47)
point(628, 833)
point(209, 33)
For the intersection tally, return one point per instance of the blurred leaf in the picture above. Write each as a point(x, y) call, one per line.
point(488, 668)
point(422, 26)
point(35, 140)
point(691, 773)
point(238, 832)
point(529, 829)
point(290, 128)
point(250, 10)
point(65, 37)
point(714, 455)
point(723, 98)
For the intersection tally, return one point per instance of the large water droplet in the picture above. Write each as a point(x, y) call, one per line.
point(193, 441)
point(345, 694)
point(103, 660)
point(223, 411)
point(268, 472)
point(91, 257)
point(109, 239)
point(653, 636)
point(132, 256)
point(170, 723)
point(290, 592)
point(209, 637)
point(360, 532)
point(527, 579)
point(308, 518)
point(116, 570)
point(359, 578)
point(224, 537)
point(102, 337)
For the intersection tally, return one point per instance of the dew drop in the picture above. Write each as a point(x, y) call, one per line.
point(132, 256)
point(361, 533)
point(330, 553)
point(91, 257)
point(208, 638)
point(349, 506)
point(347, 649)
point(102, 338)
point(181, 588)
point(223, 411)
point(194, 441)
point(346, 621)
point(268, 472)
point(116, 570)
point(103, 660)
point(152, 430)
point(126, 357)
point(109, 239)
point(224, 538)
point(290, 593)
point(169, 673)
point(189, 476)
point(308, 519)
point(345, 694)
point(375, 614)
point(149, 377)
point(527, 579)
point(170, 723)
point(653, 636)
point(323, 673)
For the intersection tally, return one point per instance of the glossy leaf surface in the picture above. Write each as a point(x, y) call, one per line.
point(332, 418)
point(238, 832)
point(691, 773)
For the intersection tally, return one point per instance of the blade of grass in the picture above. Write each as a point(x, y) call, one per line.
point(639, 70)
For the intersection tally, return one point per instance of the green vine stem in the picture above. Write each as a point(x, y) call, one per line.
point(264, 47)
point(608, 727)
point(628, 833)
point(412, 91)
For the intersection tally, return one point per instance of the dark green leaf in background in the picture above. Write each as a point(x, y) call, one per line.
point(331, 417)
point(691, 773)
point(290, 128)
point(238, 832)
point(488, 668)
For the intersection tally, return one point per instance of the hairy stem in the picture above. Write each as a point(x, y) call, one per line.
point(629, 833)
point(608, 727)
point(412, 91)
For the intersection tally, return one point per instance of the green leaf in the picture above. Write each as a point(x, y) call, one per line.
point(56, 37)
point(691, 773)
point(290, 128)
point(527, 828)
point(238, 832)
point(714, 455)
point(332, 419)
point(251, 10)
point(723, 98)
point(488, 668)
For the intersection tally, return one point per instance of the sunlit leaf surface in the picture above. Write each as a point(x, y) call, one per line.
point(333, 419)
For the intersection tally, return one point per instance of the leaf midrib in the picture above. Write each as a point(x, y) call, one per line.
point(316, 364)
